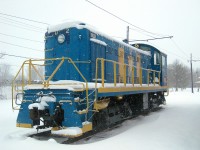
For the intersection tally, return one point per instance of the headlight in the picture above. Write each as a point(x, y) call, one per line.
point(61, 38)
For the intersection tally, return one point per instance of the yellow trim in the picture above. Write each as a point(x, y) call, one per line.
point(37, 72)
point(132, 75)
point(23, 125)
point(138, 67)
point(124, 75)
point(54, 72)
point(140, 78)
point(55, 128)
point(30, 74)
point(121, 64)
point(87, 127)
point(128, 89)
point(101, 104)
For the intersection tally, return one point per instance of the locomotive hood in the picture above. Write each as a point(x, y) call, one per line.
point(81, 25)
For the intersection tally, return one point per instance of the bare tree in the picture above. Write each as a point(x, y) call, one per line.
point(178, 75)
point(35, 75)
point(5, 78)
point(5, 74)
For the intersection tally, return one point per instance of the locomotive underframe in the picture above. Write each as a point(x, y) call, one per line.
point(127, 106)
point(118, 108)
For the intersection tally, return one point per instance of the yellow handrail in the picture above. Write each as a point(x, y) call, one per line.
point(102, 62)
point(46, 83)
point(54, 72)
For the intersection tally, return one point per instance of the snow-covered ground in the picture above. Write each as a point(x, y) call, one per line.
point(175, 127)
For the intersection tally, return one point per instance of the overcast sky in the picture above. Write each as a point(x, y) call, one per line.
point(179, 18)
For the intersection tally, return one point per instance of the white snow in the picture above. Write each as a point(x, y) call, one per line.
point(71, 131)
point(98, 41)
point(42, 102)
point(175, 127)
point(81, 25)
point(51, 98)
point(40, 106)
point(86, 122)
point(72, 85)
point(68, 24)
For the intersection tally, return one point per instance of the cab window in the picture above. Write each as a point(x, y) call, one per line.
point(156, 58)
point(164, 61)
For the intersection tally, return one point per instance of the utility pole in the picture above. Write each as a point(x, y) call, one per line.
point(191, 60)
point(191, 73)
point(127, 35)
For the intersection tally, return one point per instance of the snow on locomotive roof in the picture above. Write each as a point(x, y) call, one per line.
point(81, 25)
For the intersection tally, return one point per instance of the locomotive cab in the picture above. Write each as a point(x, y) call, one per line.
point(158, 62)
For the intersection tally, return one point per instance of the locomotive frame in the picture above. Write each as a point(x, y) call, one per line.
point(91, 81)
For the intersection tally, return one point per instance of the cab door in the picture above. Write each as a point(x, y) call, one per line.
point(97, 51)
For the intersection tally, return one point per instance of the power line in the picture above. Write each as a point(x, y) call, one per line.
point(24, 18)
point(16, 56)
point(21, 38)
point(21, 46)
point(20, 23)
point(176, 45)
point(122, 19)
point(22, 27)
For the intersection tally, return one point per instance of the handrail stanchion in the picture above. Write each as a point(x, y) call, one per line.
point(132, 75)
point(29, 72)
point(23, 77)
point(102, 72)
point(124, 74)
point(140, 76)
point(115, 74)
point(54, 72)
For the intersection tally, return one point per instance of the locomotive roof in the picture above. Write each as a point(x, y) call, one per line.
point(81, 25)
point(151, 46)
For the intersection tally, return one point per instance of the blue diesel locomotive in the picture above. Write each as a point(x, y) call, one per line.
point(90, 81)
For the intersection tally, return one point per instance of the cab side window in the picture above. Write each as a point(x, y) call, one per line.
point(156, 58)
point(164, 64)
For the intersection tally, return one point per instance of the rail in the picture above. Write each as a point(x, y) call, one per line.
point(155, 77)
point(45, 80)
